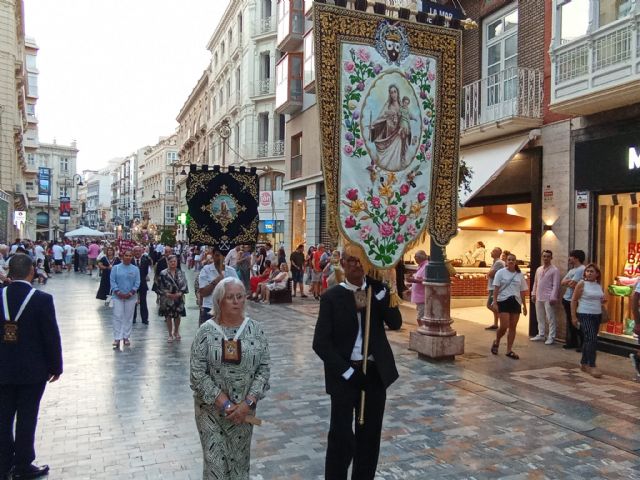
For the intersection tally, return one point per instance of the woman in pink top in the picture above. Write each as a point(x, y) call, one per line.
point(94, 251)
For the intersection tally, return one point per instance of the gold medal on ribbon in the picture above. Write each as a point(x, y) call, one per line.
point(231, 351)
point(361, 299)
point(10, 332)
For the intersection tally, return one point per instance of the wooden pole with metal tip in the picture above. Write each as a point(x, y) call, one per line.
point(365, 352)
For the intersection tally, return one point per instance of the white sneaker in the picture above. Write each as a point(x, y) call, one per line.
point(537, 338)
point(549, 341)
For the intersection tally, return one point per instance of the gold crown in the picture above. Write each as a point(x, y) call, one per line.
point(393, 36)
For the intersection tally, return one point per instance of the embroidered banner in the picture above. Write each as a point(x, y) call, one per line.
point(389, 118)
point(223, 207)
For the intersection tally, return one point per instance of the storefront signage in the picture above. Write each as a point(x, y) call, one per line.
point(634, 158)
point(434, 8)
point(582, 199)
point(632, 265)
point(547, 195)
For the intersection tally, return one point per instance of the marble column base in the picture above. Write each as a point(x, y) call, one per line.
point(435, 339)
point(437, 348)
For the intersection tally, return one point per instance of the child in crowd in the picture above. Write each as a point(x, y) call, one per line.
point(41, 275)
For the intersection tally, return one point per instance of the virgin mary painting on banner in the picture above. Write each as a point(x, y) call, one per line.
point(398, 129)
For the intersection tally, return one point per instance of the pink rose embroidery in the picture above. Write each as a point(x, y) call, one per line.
point(348, 149)
point(375, 201)
point(411, 230)
point(363, 54)
point(352, 194)
point(404, 189)
point(422, 196)
point(402, 219)
point(365, 232)
point(419, 63)
point(359, 142)
point(392, 212)
point(385, 229)
point(400, 238)
point(349, 66)
point(350, 222)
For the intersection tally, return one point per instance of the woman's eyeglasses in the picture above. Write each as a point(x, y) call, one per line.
point(237, 297)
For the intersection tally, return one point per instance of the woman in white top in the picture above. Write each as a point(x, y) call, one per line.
point(586, 313)
point(509, 290)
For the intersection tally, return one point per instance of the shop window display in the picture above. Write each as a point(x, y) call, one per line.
point(618, 253)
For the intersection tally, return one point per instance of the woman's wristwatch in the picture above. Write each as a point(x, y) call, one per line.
point(250, 403)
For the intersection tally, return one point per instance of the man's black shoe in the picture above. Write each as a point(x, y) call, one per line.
point(31, 471)
point(566, 346)
point(146, 322)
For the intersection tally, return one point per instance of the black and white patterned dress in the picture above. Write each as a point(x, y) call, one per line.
point(226, 446)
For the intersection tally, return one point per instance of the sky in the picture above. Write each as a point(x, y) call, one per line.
point(114, 74)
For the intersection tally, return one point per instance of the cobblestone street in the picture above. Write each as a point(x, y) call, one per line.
point(129, 414)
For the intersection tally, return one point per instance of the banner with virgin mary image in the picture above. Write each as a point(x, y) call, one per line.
point(389, 116)
point(223, 207)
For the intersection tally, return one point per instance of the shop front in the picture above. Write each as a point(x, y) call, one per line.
point(498, 211)
point(607, 182)
point(271, 211)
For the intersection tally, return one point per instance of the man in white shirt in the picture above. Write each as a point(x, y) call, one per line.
point(58, 253)
point(209, 277)
point(68, 256)
point(544, 296)
point(39, 251)
point(231, 259)
point(271, 254)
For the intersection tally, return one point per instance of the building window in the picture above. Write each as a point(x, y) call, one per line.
point(33, 85)
point(64, 164)
point(500, 56)
point(42, 219)
point(222, 49)
point(169, 185)
point(296, 156)
point(230, 36)
point(31, 109)
point(31, 159)
point(228, 88)
point(63, 191)
point(169, 214)
point(172, 157)
point(31, 62)
point(271, 182)
point(240, 23)
point(309, 59)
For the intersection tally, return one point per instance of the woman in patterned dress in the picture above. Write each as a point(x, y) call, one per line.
point(228, 382)
point(105, 264)
point(172, 289)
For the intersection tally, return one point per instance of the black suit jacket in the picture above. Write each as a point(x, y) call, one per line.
point(144, 266)
point(337, 330)
point(38, 352)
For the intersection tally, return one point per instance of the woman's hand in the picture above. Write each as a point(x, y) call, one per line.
point(574, 322)
point(494, 306)
point(239, 413)
point(524, 309)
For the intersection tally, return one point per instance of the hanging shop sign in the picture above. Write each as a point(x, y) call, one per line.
point(65, 209)
point(389, 117)
point(582, 199)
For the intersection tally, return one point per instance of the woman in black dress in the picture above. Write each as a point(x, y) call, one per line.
point(105, 264)
point(172, 288)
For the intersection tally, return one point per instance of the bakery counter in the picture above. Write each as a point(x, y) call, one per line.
point(468, 281)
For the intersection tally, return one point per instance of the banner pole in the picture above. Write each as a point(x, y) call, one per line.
point(365, 352)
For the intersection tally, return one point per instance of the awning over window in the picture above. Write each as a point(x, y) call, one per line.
point(487, 161)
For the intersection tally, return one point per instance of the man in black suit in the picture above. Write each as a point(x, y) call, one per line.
point(30, 356)
point(338, 341)
point(143, 262)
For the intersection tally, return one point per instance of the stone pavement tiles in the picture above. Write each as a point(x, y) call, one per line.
point(129, 414)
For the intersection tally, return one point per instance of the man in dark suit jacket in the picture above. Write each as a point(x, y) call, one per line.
point(338, 341)
point(28, 362)
point(143, 262)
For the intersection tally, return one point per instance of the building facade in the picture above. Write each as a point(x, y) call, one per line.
point(97, 187)
point(45, 218)
point(14, 121)
point(594, 142)
point(158, 198)
point(242, 93)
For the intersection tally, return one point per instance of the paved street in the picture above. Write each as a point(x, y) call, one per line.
point(130, 414)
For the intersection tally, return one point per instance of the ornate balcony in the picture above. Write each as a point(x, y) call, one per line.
point(264, 87)
point(507, 102)
point(266, 26)
point(599, 71)
point(268, 149)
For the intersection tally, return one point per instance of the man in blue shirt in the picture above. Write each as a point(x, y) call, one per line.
point(125, 282)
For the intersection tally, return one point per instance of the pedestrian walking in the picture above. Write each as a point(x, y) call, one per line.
point(105, 265)
point(92, 255)
point(243, 267)
point(338, 341)
point(417, 287)
point(143, 262)
point(172, 288)
point(230, 369)
point(31, 356)
point(125, 281)
point(574, 275)
point(586, 314)
point(58, 256)
point(544, 295)
point(297, 269)
point(497, 264)
point(83, 257)
point(509, 290)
